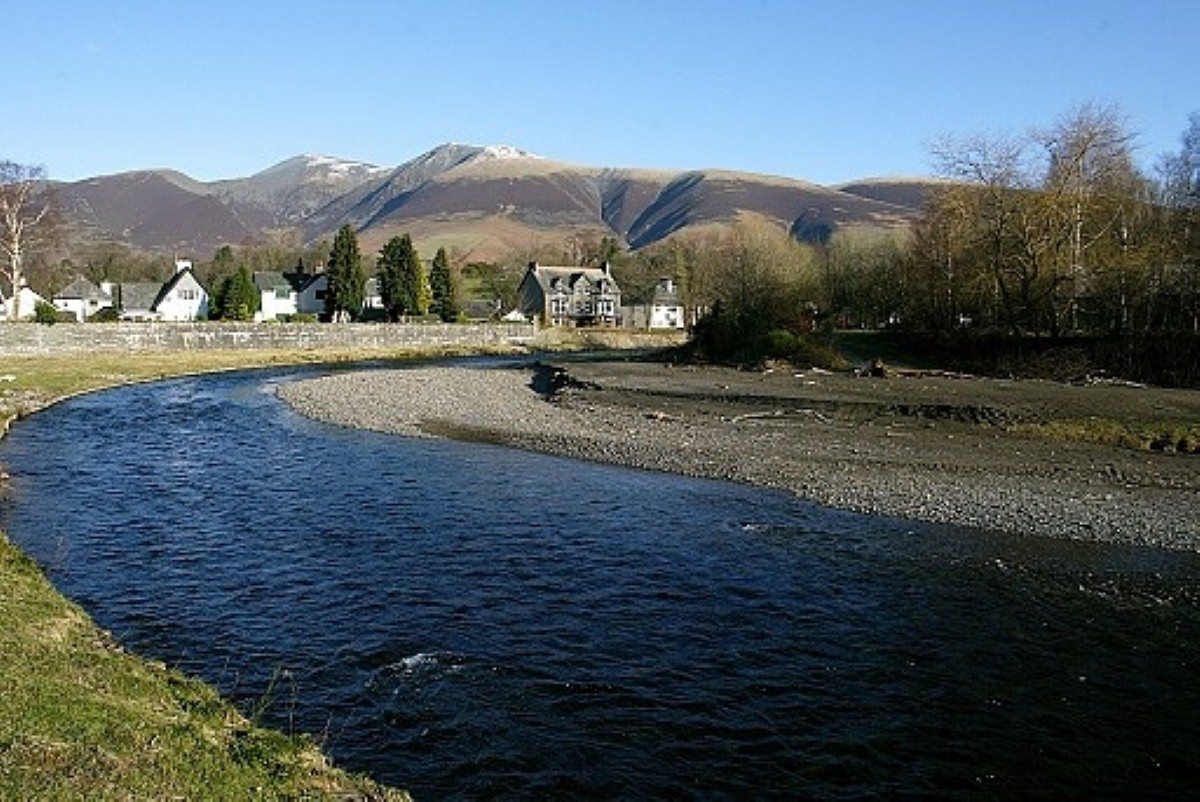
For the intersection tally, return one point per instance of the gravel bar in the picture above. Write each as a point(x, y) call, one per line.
point(824, 437)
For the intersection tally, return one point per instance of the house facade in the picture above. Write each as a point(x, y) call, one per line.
point(180, 299)
point(82, 298)
point(28, 304)
point(283, 294)
point(664, 311)
point(570, 296)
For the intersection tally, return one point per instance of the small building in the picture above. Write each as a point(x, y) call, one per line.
point(28, 304)
point(664, 311)
point(180, 299)
point(82, 298)
point(570, 296)
point(284, 294)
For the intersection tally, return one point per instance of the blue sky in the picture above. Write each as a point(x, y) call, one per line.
point(823, 91)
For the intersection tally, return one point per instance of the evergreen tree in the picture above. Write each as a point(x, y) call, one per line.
point(237, 298)
point(402, 279)
point(444, 287)
point(347, 281)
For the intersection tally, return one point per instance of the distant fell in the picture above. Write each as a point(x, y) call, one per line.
point(485, 201)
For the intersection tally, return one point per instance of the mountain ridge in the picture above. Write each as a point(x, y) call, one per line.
point(455, 193)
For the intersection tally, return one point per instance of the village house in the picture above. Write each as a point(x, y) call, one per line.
point(570, 296)
point(28, 306)
point(83, 298)
point(301, 293)
point(664, 311)
point(182, 298)
point(287, 294)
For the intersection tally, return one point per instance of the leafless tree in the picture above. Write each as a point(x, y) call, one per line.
point(24, 207)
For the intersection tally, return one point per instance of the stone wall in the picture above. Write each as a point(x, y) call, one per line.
point(18, 339)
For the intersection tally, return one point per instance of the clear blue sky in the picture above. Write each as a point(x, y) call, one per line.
point(824, 91)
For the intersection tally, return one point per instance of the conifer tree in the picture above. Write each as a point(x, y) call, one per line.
point(238, 299)
point(444, 287)
point(347, 281)
point(402, 279)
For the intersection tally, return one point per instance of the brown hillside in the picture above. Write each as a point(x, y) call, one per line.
point(493, 201)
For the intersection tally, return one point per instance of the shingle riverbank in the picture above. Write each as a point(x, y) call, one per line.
point(804, 434)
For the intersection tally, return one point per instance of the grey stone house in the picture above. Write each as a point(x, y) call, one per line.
point(570, 296)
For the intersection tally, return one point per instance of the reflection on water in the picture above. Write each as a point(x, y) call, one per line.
point(470, 621)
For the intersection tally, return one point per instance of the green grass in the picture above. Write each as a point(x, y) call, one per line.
point(80, 718)
point(1143, 435)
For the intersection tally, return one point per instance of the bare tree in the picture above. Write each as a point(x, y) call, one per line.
point(1089, 174)
point(23, 208)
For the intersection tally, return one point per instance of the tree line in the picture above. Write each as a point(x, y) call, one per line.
point(1058, 232)
point(1049, 233)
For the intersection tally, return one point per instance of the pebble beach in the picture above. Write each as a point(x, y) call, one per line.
point(930, 450)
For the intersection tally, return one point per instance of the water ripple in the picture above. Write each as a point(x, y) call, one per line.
point(468, 621)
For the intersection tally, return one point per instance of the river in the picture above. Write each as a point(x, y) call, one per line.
point(468, 621)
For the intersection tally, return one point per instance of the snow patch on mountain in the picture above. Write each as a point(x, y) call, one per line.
point(503, 153)
point(336, 168)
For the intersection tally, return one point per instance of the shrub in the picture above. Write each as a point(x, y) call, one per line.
point(45, 313)
point(106, 315)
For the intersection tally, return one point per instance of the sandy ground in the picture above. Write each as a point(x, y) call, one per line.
point(926, 447)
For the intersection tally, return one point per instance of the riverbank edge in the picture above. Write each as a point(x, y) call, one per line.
point(960, 473)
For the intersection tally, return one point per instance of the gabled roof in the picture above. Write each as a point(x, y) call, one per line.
point(138, 295)
point(268, 280)
point(549, 275)
point(666, 293)
point(146, 295)
point(84, 290)
point(172, 282)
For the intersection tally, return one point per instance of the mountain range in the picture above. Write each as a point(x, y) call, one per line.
point(486, 202)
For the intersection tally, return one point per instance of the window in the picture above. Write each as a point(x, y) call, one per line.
point(187, 295)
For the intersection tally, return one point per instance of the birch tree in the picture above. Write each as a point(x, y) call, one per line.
point(23, 210)
point(1088, 179)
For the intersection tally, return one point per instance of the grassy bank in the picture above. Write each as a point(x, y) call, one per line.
point(82, 719)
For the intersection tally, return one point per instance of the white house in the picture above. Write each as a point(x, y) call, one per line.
point(82, 298)
point(302, 293)
point(182, 298)
point(277, 293)
point(664, 311)
point(29, 301)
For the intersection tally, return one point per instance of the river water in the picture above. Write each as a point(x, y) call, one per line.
point(469, 621)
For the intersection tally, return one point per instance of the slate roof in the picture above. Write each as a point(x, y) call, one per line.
point(666, 293)
point(138, 295)
point(265, 280)
point(84, 290)
point(548, 275)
